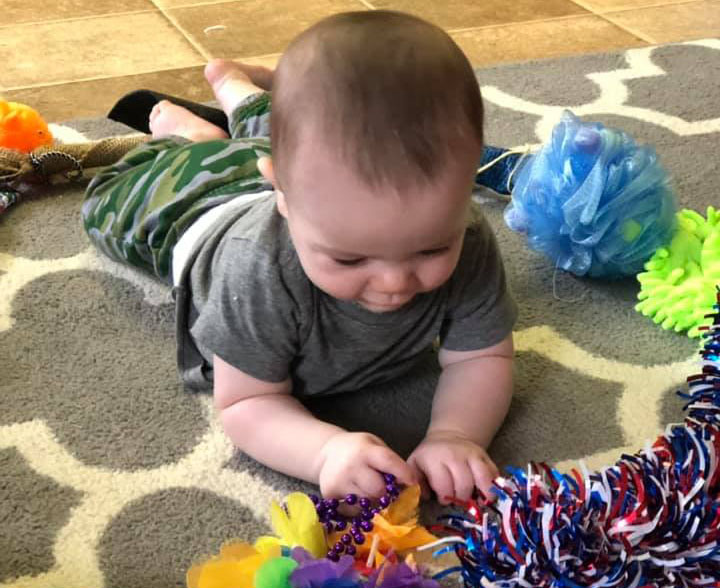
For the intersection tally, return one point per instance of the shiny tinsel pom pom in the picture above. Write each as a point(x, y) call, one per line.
point(650, 520)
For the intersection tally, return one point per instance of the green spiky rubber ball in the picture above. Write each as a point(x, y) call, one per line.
point(677, 288)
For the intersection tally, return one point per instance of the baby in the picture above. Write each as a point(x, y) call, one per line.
point(333, 261)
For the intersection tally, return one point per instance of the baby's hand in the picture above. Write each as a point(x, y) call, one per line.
point(453, 466)
point(352, 462)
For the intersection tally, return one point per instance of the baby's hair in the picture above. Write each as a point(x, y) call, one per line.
point(392, 94)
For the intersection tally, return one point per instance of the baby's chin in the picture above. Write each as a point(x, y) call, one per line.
point(382, 308)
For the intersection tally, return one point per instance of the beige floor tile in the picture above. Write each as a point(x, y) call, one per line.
point(455, 14)
point(20, 11)
point(95, 47)
point(163, 4)
point(178, 3)
point(94, 98)
point(264, 60)
point(253, 27)
point(677, 22)
point(608, 5)
point(521, 42)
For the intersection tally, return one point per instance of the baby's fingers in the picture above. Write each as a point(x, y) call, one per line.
point(384, 459)
point(369, 482)
point(463, 480)
point(441, 481)
point(484, 472)
point(421, 479)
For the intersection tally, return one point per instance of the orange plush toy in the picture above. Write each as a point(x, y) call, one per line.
point(22, 128)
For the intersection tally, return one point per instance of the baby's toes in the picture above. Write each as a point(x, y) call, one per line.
point(155, 114)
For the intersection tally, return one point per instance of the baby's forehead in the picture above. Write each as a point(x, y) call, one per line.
point(344, 214)
point(321, 159)
point(372, 236)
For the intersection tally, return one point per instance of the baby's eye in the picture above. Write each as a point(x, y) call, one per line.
point(437, 251)
point(350, 262)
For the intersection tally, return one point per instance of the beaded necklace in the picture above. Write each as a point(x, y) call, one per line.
point(359, 523)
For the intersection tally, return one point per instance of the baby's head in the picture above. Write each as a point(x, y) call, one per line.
point(377, 129)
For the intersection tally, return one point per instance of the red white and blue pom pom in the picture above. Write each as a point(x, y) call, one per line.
point(651, 520)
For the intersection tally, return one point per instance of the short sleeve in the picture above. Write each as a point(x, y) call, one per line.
point(250, 316)
point(481, 311)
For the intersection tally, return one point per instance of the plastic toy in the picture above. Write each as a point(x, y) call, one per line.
point(592, 200)
point(652, 520)
point(677, 288)
point(22, 172)
point(22, 128)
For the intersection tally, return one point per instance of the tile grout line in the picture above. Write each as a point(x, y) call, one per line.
point(191, 4)
point(98, 78)
point(74, 18)
point(199, 64)
point(608, 16)
point(603, 16)
point(522, 22)
point(632, 31)
point(584, 6)
point(206, 56)
point(658, 4)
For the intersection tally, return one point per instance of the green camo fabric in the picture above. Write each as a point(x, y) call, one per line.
point(136, 210)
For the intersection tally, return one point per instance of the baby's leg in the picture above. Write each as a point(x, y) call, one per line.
point(136, 209)
point(232, 82)
point(167, 119)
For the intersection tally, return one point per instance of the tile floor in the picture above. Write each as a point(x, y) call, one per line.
point(74, 58)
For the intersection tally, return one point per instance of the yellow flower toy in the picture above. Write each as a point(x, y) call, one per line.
point(296, 525)
point(241, 565)
point(298, 556)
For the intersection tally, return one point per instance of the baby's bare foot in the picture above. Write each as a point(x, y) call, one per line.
point(233, 81)
point(168, 119)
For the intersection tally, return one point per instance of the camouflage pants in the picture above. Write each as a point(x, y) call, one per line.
point(136, 210)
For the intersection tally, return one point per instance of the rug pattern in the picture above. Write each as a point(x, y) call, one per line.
point(112, 476)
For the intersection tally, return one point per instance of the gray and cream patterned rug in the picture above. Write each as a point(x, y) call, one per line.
point(112, 476)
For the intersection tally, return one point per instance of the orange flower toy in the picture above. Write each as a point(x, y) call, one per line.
point(395, 529)
point(22, 128)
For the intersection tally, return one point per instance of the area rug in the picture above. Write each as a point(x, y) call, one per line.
point(111, 475)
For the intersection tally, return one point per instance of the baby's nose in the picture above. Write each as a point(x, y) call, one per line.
point(395, 280)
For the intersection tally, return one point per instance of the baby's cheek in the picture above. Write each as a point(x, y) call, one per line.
point(343, 285)
point(435, 274)
point(337, 283)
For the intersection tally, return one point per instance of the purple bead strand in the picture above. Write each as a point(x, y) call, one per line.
point(359, 524)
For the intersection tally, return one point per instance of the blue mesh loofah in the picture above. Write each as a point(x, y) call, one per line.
point(593, 201)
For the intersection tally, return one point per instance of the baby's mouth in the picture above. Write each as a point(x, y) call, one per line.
point(384, 307)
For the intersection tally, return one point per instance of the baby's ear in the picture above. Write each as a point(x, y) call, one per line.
point(281, 204)
point(265, 167)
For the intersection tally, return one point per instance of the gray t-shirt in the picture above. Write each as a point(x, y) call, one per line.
point(245, 298)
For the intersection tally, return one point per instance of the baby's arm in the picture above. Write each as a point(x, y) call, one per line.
point(471, 401)
point(265, 421)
